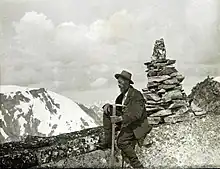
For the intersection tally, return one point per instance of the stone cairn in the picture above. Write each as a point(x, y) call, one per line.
point(166, 101)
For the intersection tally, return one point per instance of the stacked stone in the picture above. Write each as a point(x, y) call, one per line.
point(166, 100)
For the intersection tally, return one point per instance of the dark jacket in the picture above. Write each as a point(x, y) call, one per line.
point(134, 114)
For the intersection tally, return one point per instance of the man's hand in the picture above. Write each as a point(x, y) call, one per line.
point(116, 119)
point(107, 108)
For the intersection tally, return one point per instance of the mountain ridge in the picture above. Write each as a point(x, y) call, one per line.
point(38, 111)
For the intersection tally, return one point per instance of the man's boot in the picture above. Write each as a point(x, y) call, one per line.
point(132, 157)
point(135, 163)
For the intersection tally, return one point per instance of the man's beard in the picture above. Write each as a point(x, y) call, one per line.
point(123, 90)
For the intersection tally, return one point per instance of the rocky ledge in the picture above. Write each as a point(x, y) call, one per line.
point(35, 150)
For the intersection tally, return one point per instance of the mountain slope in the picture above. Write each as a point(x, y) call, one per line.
point(92, 112)
point(40, 112)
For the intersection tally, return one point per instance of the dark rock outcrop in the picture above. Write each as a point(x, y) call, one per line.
point(206, 96)
point(35, 151)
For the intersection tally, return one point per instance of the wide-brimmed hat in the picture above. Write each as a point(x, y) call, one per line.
point(125, 75)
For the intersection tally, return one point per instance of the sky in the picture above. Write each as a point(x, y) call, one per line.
point(74, 47)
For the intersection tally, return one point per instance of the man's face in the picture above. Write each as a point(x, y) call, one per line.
point(123, 84)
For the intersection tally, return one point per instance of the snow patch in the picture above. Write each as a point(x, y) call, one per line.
point(24, 107)
point(11, 95)
point(2, 117)
point(3, 133)
point(26, 94)
point(40, 113)
point(22, 121)
point(16, 114)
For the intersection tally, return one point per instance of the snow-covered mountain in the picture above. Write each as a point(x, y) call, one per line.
point(37, 111)
point(96, 110)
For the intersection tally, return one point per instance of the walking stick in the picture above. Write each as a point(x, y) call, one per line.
point(123, 161)
point(113, 135)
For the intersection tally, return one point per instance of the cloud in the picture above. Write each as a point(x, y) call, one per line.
point(102, 68)
point(99, 82)
point(71, 56)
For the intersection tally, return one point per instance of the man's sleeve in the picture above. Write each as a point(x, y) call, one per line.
point(134, 111)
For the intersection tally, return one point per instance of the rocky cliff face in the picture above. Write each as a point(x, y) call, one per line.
point(38, 112)
point(206, 96)
point(194, 142)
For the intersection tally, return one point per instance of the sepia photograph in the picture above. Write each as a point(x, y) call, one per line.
point(110, 84)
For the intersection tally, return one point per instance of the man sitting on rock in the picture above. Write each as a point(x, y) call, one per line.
point(131, 120)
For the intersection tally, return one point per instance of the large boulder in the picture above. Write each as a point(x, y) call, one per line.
point(206, 95)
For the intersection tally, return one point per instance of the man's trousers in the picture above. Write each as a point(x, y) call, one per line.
point(126, 140)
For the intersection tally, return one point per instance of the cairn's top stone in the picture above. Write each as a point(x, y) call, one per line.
point(159, 51)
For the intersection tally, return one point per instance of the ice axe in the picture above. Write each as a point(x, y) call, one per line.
point(113, 134)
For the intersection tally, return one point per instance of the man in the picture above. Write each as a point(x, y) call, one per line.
point(131, 119)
